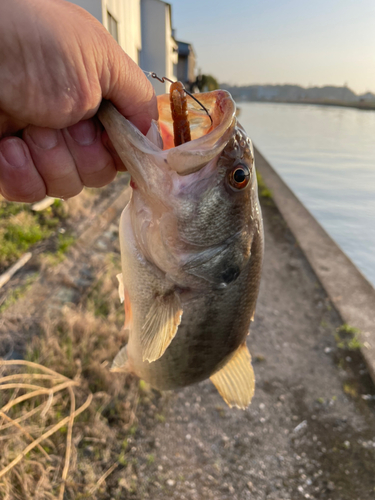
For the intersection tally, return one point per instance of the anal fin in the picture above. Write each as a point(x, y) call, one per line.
point(235, 381)
point(160, 326)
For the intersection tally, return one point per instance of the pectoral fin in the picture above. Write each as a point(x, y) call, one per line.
point(235, 381)
point(160, 326)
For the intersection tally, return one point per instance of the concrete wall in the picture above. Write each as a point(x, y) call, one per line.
point(186, 64)
point(171, 47)
point(191, 64)
point(128, 16)
point(351, 294)
point(159, 50)
point(182, 69)
point(144, 31)
point(127, 13)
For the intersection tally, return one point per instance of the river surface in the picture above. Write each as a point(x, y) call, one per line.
point(326, 155)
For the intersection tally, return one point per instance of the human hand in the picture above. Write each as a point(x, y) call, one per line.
point(57, 63)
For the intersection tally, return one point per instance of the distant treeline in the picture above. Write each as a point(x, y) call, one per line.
point(293, 93)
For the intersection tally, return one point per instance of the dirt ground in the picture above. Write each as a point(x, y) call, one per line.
point(309, 432)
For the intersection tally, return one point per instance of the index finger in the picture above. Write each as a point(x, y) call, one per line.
point(130, 91)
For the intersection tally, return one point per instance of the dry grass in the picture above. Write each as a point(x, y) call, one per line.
point(33, 407)
point(65, 419)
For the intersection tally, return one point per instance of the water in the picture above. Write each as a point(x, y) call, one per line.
point(326, 155)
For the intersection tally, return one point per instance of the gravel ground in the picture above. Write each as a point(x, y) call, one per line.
point(310, 430)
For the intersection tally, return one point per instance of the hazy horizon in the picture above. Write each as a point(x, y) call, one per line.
point(327, 42)
point(264, 84)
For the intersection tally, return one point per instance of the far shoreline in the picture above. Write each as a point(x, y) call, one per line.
point(364, 106)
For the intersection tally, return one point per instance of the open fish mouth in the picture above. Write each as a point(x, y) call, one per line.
point(207, 139)
point(221, 109)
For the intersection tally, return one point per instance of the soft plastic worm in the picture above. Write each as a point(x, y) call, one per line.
point(164, 78)
point(181, 127)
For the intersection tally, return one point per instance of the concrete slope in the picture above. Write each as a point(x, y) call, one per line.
point(352, 295)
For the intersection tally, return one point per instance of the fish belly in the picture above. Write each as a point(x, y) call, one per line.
point(213, 324)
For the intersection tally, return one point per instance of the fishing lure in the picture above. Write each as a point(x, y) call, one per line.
point(179, 110)
point(181, 126)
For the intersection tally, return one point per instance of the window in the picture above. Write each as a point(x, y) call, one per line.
point(112, 26)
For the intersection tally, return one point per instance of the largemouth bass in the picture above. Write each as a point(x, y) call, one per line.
point(191, 248)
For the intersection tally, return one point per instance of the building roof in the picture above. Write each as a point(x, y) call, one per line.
point(184, 48)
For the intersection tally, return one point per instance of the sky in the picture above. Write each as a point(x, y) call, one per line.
point(309, 43)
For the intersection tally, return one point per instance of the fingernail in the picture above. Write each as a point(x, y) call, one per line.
point(14, 152)
point(84, 132)
point(44, 138)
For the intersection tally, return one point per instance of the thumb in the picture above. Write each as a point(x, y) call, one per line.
point(128, 88)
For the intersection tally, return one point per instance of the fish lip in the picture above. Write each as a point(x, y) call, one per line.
point(185, 158)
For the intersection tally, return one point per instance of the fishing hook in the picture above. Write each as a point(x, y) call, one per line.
point(164, 78)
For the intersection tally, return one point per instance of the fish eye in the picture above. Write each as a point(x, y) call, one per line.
point(239, 176)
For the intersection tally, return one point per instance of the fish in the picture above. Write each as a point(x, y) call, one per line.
point(192, 245)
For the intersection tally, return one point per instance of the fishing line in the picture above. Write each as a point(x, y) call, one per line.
point(164, 79)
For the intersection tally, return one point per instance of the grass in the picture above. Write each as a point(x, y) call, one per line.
point(347, 338)
point(17, 234)
point(85, 455)
point(103, 300)
point(18, 292)
point(350, 389)
point(29, 395)
point(67, 435)
point(20, 228)
point(64, 241)
point(263, 191)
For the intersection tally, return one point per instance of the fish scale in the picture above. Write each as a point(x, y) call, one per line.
point(191, 247)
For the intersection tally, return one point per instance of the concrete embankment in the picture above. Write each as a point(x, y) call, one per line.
point(351, 294)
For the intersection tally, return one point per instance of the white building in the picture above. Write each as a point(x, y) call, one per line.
point(159, 49)
point(143, 28)
point(186, 64)
point(122, 18)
